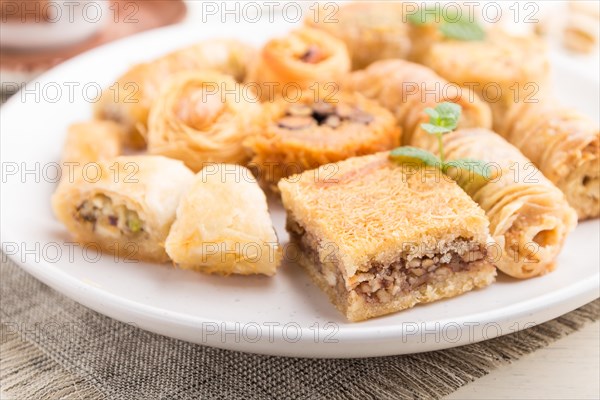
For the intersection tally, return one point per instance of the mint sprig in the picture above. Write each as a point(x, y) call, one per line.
point(444, 119)
point(452, 24)
point(409, 154)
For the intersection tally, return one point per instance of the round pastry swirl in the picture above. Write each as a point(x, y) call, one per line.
point(129, 99)
point(304, 59)
point(201, 117)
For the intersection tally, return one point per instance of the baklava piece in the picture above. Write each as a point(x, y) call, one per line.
point(201, 117)
point(294, 137)
point(378, 237)
point(223, 225)
point(370, 32)
point(304, 59)
point(124, 206)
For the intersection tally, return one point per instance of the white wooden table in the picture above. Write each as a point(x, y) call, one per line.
point(567, 369)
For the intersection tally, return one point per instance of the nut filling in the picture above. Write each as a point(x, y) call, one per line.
point(313, 55)
point(383, 282)
point(302, 116)
point(108, 219)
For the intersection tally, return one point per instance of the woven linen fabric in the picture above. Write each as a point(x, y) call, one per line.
point(90, 356)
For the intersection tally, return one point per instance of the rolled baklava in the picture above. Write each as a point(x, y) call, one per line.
point(494, 67)
point(294, 137)
point(378, 237)
point(124, 206)
point(128, 100)
point(406, 89)
point(307, 58)
point(223, 225)
point(564, 144)
point(529, 216)
point(371, 32)
point(92, 141)
point(201, 117)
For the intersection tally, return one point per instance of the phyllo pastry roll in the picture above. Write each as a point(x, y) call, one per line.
point(92, 141)
point(294, 137)
point(378, 237)
point(223, 225)
point(128, 100)
point(494, 67)
point(305, 58)
point(371, 32)
point(201, 117)
point(529, 216)
point(126, 207)
point(564, 144)
point(406, 89)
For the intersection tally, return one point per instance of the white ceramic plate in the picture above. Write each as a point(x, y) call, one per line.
point(284, 315)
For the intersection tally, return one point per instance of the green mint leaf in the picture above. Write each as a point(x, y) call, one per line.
point(453, 14)
point(449, 113)
point(469, 173)
point(433, 114)
point(454, 23)
point(434, 129)
point(462, 30)
point(408, 154)
point(443, 119)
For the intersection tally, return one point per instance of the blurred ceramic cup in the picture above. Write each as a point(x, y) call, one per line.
point(46, 24)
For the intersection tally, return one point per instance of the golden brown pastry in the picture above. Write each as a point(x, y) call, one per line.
point(307, 58)
point(201, 117)
point(378, 240)
point(529, 217)
point(223, 225)
point(564, 145)
point(294, 137)
point(426, 24)
point(422, 38)
point(371, 32)
point(502, 69)
point(406, 89)
point(126, 207)
point(92, 141)
point(581, 31)
point(129, 99)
